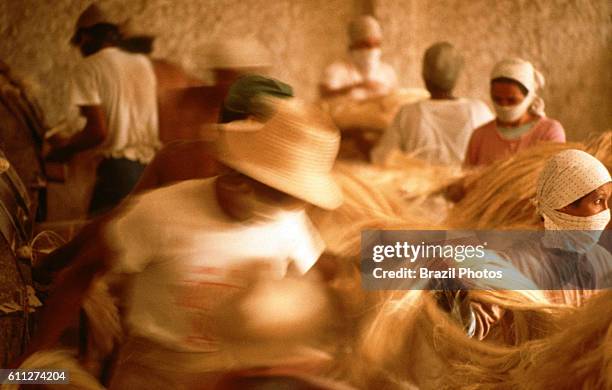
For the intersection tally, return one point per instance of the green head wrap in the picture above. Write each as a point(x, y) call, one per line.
point(241, 100)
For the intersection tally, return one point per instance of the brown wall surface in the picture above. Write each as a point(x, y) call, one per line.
point(567, 40)
point(301, 35)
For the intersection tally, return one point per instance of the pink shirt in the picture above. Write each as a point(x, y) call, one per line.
point(487, 144)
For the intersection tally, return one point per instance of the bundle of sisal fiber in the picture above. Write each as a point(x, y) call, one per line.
point(396, 333)
point(63, 360)
point(600, 146)
point(411, 340)
point(499, 195)
point(576, 354)
point(397, 193)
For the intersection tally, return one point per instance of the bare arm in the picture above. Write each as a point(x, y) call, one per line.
point(150, 178)
point(67, 295)
point(327, 92)
point(92, 135)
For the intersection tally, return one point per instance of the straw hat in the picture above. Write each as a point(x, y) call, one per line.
point(293, 152)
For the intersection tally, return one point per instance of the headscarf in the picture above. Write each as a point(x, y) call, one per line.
point(523, 72)
point(363, 28)
point(132, 37)
point(567, 177)
point(241, 99)
point(442, 64)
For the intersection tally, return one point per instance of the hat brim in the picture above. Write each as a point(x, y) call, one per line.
point(319, 190)
point(293, 152)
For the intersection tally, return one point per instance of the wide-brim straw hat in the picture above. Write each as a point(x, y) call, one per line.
point(293, 152)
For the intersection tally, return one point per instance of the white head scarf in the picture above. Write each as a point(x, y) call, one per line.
point(567, 177)
point(364, 27)
point(523, 72)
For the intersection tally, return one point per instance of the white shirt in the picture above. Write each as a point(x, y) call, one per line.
point(437, 131)
point(344, 73)
point(124, 85)
point(187, 257)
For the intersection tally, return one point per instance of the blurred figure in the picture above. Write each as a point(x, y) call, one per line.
point(364, 74)
point(115, 91)
point(230, 59)
point(192, 159)
point(189, 248)
point(184, 110)
point(521, 121)
point(436, 130)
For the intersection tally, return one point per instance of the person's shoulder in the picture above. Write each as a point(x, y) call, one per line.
point(487, 128)
point(119, 56)
point(550, 123)
point(175, 194)
point(106, 54)
point(411, 108)
point(523, 251)
point(549, 129)
point(339, 65)
point(480, 111)
point(92, 61)
point(387, 67)
point(170, 205)
point(104, 60)
point(474, 103)
point(601, 252)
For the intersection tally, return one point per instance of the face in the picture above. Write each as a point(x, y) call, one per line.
point(368, 43)
point(593, 203)
point(506, 94)
point(243, 198)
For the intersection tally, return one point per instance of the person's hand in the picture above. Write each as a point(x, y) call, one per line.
point(374, 85)
point(55, 146)
point(55, 149)
point(57, 155)
point(455, 191)
point(58, 139)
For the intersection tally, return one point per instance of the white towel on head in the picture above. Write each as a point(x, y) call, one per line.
point(525, 73)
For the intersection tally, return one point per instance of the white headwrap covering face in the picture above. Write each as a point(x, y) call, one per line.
point(567, 177)
point(523, 72)
point(363, 28)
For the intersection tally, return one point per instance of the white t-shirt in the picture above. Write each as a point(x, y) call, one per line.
point(187, 257)
point(124, 85)
point(344, 73)
point(437, 131)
